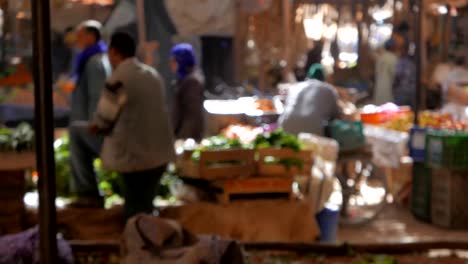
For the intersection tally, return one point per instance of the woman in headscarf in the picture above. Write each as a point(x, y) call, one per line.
point(188, 117)
point(314, 65)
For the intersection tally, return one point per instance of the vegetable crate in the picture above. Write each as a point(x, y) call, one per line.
point(421, 192)
point(448, 201)
point(17, 161)
point(284, 162)
point(447, 149)
point(417, 144)
point(258, 186)
point(12, 187)
point(219, 164)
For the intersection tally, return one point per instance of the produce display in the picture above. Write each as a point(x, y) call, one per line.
point(264, 105)
point(280, 139)
point(244, 134)
point(276, 139)
point(402, 122)
point(219, 142)
point(436, 120)
point(19, 139)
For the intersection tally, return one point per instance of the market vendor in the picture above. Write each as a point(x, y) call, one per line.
point(133, 116)
point(310, 105)
point(188, 113)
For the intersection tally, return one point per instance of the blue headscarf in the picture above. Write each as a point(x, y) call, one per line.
point(185, 57)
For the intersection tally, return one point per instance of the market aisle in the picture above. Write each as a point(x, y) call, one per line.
point(397, 225)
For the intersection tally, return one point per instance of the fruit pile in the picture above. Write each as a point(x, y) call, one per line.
point(436, 120)
point(401, 122)
point(245, 134)
point(264, 105)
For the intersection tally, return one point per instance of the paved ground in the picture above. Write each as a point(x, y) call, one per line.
point(396, 224)
point(266, 258)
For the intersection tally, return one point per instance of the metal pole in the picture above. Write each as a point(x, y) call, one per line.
point(44, 128)
point(419, 9)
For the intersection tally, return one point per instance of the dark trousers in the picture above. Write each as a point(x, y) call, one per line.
point(140, 190)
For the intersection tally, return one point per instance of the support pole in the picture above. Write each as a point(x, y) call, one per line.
point(44, 129)
point(287, 39)
point(419, 9)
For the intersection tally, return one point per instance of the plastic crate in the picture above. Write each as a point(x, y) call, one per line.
point(417, 144)
point(421, 192)
point(448, 198)
point(350, 135)
point(447, 149)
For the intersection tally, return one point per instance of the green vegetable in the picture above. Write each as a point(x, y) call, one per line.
point(378, 259)
point(277, 139)
point(62, 166)
point(288, 163)
point(19, 139)
point(219, 142)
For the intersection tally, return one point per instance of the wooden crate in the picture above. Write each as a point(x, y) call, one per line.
point(10, 161)
point(257, 185)
point(269, 170)
point(220, 164)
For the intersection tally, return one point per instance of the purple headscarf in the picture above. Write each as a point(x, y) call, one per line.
point(185, 57)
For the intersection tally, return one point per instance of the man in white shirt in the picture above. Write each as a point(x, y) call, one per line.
point(385, 74)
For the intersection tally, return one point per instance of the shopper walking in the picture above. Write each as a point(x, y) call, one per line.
point(133, 116)
point(385, 67)
point(404, 84)
point(92, 69)
point(188, 113)
point(314, 67)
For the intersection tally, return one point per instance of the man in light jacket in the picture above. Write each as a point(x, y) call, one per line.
point(310, 105)
point(133, 115)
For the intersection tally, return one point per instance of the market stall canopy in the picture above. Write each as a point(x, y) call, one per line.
point(203, 17)
point(73, 14)
point(124, 14)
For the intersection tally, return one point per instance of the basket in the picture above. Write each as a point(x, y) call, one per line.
point(279, 170)
point(421, 192)
point(417, 144)
point(219, 164)
point(350, 135)
point(448, 201)
point(447, 149)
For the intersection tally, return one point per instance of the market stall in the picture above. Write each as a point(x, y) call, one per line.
point(231, 167)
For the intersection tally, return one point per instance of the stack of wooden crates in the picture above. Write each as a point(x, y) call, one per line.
point(244, 172)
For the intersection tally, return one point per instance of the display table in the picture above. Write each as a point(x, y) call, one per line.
point(249, 221)
point(12, 187)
